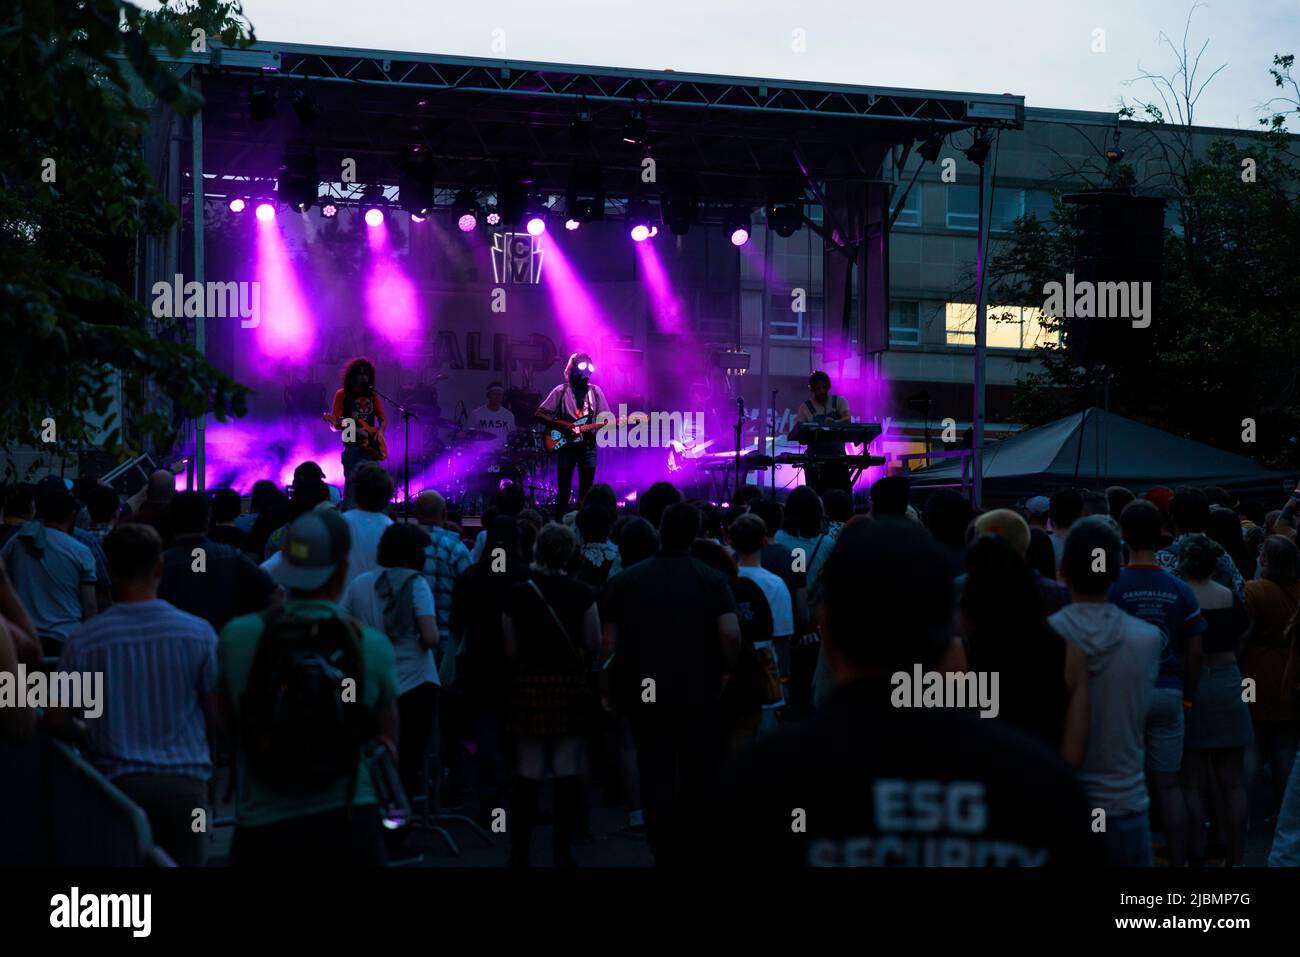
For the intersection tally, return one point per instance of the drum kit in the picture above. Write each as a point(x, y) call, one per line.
point(470, 479)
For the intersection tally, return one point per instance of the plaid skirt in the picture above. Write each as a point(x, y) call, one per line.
point(543, 706)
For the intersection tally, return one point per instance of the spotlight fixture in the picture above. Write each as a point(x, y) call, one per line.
point(930, 148)
point(261, 102)
point(679, 203)
point(329, 210)
point(634, 128)
point(784, 215)
point(585, 198)
point(305, 106)
point(571, 224)
point(465, 211)
point(580, 128)
point(512, 192)
point(415, 187)
point(737, 224)
point(493, 217)
point(536, 225)
point(238, 204)
point(640, 220)
point(978, 150)
point(299, 182)
point(374, 216)
point(266, 211)
point(417, 218)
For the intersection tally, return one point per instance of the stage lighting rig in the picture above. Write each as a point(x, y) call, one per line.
point(261, 102)
point(465, 211)
point(634, 129)
point(299, 183)
point(785, 216)
point(679, 204)
point(415, 187)
point(738, 225)
point(584, 201)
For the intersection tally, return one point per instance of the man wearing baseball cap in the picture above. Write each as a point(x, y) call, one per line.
point(330, 826)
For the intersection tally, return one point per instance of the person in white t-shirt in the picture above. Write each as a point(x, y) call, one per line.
point(395, 598)
point(747, 534)
point(493, 417)
point(368, 521)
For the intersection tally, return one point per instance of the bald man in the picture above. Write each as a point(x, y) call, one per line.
point(445, 559)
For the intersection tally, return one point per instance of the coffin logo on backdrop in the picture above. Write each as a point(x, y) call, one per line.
point(516, 258)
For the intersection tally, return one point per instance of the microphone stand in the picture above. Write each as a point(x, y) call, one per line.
point(772, 451)
point(407, 416)
point(740, 425)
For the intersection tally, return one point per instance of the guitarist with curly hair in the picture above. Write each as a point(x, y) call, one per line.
point(358, 401)
point(571, 407)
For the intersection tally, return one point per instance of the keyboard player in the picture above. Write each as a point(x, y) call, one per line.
point(823, 407)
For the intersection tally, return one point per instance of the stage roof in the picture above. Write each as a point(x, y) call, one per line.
point(734, 135)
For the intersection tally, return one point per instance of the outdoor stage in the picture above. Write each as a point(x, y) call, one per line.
point(390, 153)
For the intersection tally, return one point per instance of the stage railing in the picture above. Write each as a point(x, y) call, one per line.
point(967, 483)
point(56, 810)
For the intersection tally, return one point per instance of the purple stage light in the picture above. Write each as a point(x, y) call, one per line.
point(374, 216)
point(654, 231)
point(417, 218)
point(739, 236)
point(493, 219)
point(468, 222)
point(266, 212)
point(329, 210)
point(571, 224)
point(536, 226)
point(640, 232)
point(237, 205)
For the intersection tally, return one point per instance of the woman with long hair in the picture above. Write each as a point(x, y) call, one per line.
point(1043, 679)
point(552, 634)
point(356, 399)
point(1218, 730)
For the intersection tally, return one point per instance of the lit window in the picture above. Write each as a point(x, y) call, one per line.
point(1008, 327)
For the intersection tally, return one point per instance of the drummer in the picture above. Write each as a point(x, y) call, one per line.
point(493, 417)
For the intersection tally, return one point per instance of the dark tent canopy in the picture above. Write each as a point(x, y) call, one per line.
point(1095, 448)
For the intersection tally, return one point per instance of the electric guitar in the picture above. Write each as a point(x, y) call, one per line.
point(563, 433)
point(369, 439)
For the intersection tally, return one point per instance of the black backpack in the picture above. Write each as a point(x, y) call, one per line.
point(297, 731)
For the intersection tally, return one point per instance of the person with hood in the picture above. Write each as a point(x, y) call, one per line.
point(1123, 655)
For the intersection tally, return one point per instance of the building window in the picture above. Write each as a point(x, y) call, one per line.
point(904, 323)
point(964, 208)
point(785, 323)
point(1008, 327)
point(910, 214)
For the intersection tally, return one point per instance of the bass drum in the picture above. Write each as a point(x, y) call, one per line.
point(496, 475)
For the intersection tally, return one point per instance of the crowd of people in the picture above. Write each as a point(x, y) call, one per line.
point(729, 677)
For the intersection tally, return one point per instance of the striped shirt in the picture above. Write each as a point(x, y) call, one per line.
point(157, 663)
